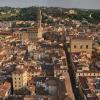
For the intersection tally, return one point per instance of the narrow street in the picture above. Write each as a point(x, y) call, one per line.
point(72, 74)
point(68, 86)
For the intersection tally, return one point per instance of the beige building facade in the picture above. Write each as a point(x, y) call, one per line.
point(19, 78)
point(80, 45)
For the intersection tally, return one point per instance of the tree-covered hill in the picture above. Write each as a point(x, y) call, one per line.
point(30, 13)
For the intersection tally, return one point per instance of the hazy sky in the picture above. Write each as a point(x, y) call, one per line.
point(91, 4)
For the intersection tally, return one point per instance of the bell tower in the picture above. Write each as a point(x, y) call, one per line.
point(38, 30)
point(39, 17)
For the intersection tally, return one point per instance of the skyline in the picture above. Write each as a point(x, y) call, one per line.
point(86, 4)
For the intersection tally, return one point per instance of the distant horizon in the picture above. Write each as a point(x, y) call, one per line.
point(49, 7)
point(75, 4)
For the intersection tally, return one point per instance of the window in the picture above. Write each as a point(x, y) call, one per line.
point(81, 47)
point(19, 82)
point(74, 46)
point(87, 46)
point(19, 85)
point(15, 85)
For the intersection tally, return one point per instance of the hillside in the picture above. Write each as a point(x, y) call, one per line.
point(30, 13)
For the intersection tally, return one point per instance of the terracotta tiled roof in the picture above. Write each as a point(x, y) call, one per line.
point(18, 71)
point(4, 88)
